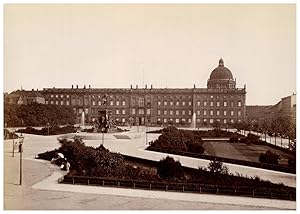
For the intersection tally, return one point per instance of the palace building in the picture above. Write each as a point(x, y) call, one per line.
point(220, 101)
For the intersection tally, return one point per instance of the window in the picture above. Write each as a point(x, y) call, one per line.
point(158, 119)
point(133, 101)
point(198, 120)
point(225, 113)
point(239, 120)
point(211, 112)
point(177, 120)
point(46, 101)
point(68, 95)
point(190, 120)
point(93, 102)
point(177, 103)
point(198, 112)
point(51, 95)
point(171, 112)
point(190, 103)
point(183, 112)
point(190, 112)
point(171, 103)
point(99, 102)
point(204, 103)
point(123, 120)
point(117, 111)
point(74, 109)
point(177, 112)
point(56, 95)
point(211, 103)
point(123, 104)
point(51, 102)
point(239, 113)
point(232, 121)
point(117, 103)
point(218, 103)
point(68, 102)
point(165, 112)
point(158, 112)
point(198, 103)
point(218, 112)
point(133, 111)
point(141, 111)
point(239, 103)
point(111, 103)
point(80, 110)
point(159, 103)
point(56, 102)
point(204, 112)
point(211, 96)
point(183, 103)
point(165, 120)
point(86, 110)
point(204, 120)
point(231, 113)
point(225, 103)
point(225, 121)
point(211, 121)
point(165, 103)
point(123, 111)
point(141, 101)
point(231, 103)
point(61, 95)
point(148, 111)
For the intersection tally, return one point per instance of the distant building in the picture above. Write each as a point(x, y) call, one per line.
point(20, 97)
point(220, 101)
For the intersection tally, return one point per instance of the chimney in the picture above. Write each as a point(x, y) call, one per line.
point(194, 86)
point(84, 86)
point(37, 89)
point(77, 86)
point(89, 86)
point(146, 86)
point(130, 86)
point(151, 86)
point(136, 86)
point(32, 89)
point(72, 86)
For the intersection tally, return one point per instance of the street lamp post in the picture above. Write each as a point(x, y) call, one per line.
point(21, 151)
point(103, 130)
point(13, 149)
point(48, 127)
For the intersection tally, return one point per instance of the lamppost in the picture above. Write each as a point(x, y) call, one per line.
point(21, 151)
point(48, 127)
point(103, 130)
point(13, 149)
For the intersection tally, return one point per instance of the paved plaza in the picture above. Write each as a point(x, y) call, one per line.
point(40, 189)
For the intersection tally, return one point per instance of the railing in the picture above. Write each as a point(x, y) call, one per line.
point(227, 160)
point(273, 193)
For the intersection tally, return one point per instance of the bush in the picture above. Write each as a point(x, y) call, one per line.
point(196, 148)
point(252, 137)
point(269, 157)
point(168, 168)
point(234, 139)
point(216, 167)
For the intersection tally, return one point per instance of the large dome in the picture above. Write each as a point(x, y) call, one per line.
point(221, 72)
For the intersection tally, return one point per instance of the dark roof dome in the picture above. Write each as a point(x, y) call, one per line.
point(221, 72)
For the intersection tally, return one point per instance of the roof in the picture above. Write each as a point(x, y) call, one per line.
point(221, 72)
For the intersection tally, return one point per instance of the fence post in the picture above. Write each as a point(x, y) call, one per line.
point(200, 190)
point(253, 193)
point(182, 188)
point(150, 186)
point(133, 185)
point(166, 187)
point(103, 183)
point(88, 182)
point(217, 190)
point(118, 183)
point(73, 181)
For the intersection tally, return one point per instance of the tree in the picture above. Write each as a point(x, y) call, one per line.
point(217, 167)
point(168, 168)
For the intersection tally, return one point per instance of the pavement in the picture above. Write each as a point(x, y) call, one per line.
point(40, 190)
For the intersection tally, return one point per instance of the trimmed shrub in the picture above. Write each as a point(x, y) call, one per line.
point(168, 168)
point(196, 148)
point(269, 157)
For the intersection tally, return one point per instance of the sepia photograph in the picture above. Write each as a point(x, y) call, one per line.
point(141, 106)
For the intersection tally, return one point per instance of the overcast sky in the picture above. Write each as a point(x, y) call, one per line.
point(174, 46)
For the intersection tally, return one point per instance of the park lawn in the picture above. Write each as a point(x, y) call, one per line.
point(240, 151)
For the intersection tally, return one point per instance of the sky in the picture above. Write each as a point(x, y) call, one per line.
point(173, 46)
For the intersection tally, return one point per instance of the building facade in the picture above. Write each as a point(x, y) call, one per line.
point(220, 101)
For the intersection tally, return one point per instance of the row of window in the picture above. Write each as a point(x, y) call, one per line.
point(203, 112)
point(211, 103)
point(177, 120)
